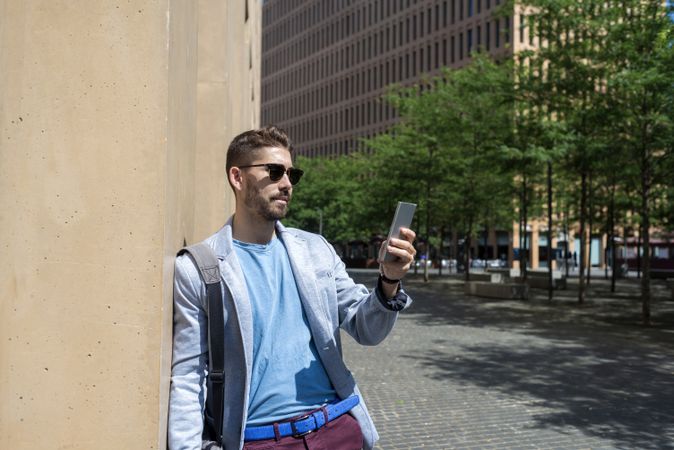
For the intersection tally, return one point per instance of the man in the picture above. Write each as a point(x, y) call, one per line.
point(290, 295)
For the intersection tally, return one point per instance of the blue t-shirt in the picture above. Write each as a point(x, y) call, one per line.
point(288, 378)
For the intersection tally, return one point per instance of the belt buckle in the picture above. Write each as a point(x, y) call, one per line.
point(297, 434)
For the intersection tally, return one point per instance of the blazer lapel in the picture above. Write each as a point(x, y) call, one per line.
point(233, 277)
point(305, 277)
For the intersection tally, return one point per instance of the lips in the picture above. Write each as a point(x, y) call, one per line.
point(281, 199)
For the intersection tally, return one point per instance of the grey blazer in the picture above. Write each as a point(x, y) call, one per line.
point(331, 301)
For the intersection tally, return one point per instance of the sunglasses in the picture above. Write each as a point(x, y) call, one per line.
point(276, 172)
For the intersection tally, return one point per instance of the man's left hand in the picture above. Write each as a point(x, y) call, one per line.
point(403, 251)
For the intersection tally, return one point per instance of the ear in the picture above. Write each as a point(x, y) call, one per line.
point(235, 178)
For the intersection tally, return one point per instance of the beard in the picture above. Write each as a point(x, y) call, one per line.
point(267, 208)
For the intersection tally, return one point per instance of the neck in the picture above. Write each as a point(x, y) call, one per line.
point(252, 230)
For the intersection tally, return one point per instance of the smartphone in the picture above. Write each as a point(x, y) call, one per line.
point(402, 219)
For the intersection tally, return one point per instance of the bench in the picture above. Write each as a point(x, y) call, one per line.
point(556, 274)
point(486, 276)
point(507, 291)
point(504, 271)
point(539, 279)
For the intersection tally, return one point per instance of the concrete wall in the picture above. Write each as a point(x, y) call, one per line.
point(114, 121)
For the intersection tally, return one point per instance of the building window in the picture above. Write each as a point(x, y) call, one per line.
point(444, 13)
point(506, 26)
point(452, 48)
point(497, 33)
point(444, 52)
point(469, 40)
point(429, 21)
point(460, 46)
point(470, 8)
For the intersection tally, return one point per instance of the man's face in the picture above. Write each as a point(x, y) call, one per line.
point(261, 196)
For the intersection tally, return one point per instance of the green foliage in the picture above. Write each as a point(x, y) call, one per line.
point(333, 189)
point(448, 144)
point(595, 101)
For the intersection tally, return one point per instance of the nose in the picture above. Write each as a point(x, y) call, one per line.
point(284, 182)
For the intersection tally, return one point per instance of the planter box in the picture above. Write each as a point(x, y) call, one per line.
point(486, 276)
point(506, 291)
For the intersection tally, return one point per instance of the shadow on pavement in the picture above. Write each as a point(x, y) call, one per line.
point(592, 368)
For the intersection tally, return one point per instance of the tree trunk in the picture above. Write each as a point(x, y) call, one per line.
point(486, 242)
point(550, 231)
point(645, 225)
point(567, 253)
point(466, 246)
point(416, 227)
point(524, 249)
point(590, 220)
point(639, 242)
point(442, 238)
point(428, 220)
point(612, 242)
point(609, 234)
point(581, 271)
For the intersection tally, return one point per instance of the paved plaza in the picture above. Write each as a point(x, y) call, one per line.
point(463, 372)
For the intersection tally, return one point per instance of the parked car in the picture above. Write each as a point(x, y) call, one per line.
point(420, 263)
point(448, 263)
point(496, 263)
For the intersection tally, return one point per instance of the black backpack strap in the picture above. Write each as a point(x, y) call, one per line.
point(209, 269)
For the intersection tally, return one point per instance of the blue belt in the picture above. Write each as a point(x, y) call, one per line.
point(304, 424)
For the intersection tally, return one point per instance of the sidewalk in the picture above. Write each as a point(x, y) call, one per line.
point(462, 372)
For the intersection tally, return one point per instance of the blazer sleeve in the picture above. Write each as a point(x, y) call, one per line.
point(190, 358)
point(362, 314)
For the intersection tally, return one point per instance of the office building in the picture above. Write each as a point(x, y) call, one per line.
point(326, 64)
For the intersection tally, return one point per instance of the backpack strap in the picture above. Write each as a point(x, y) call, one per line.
point(209, 269)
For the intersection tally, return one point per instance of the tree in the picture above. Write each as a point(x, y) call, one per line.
point(608, 68)
point(331, 190)
point(449, 138)
point(640, 55)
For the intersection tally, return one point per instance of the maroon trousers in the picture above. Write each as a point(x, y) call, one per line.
point(343, 433)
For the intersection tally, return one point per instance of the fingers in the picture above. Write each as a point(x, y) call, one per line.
point(407, 234)
point(403, 252)
point(404, 243)
point(402, 256)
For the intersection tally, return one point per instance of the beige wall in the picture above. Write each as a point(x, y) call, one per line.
point(114, 120)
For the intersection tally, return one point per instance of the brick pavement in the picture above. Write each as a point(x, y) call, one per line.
point(468, 373)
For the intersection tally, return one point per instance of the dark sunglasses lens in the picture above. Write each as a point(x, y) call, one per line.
point(295, 175)
point(276, 171)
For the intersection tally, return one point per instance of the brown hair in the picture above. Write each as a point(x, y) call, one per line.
point(244, 147)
